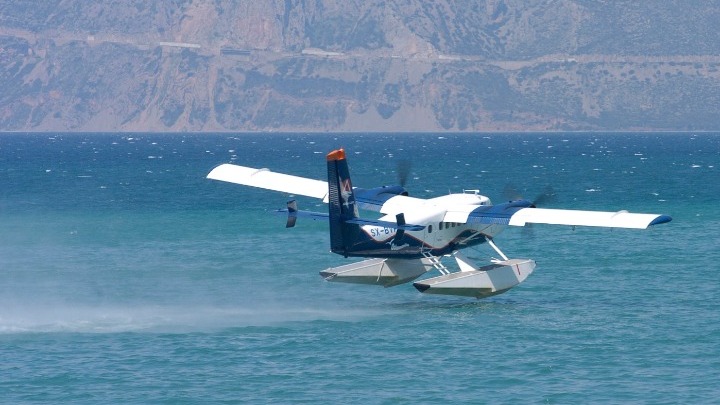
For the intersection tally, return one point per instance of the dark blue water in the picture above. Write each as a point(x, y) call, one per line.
point(126, 276)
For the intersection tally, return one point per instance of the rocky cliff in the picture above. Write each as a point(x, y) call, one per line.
point(339, 65)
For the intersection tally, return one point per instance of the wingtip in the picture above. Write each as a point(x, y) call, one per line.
point(661, 219)
point(213, 175)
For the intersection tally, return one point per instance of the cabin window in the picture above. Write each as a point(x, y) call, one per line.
point(429, 228)
point(440, 227)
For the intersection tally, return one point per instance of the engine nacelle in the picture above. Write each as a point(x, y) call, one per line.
point(378, 195)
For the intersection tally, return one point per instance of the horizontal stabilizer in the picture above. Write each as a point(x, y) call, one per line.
point(619, 219)
point(315, 216)
point(268, 180)
point(384, 272)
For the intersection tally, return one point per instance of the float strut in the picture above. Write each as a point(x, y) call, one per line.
point(492, 244)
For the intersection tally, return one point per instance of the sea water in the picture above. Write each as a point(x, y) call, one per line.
point(128, 277)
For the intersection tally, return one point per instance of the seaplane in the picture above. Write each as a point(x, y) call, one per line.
point(413, 236)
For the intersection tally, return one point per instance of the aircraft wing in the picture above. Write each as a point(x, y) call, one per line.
point(388, 202)
point(508, 214)
point(377, 199)
point(269, 180)
point(619, 219)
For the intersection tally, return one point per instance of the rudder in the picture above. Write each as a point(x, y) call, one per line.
point(342, 205)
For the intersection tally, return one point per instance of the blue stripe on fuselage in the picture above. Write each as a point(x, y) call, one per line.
point(410, 247)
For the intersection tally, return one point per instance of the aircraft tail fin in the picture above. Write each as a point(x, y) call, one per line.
point(342, 204)
point(347, 237)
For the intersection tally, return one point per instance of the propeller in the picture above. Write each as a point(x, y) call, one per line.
point(399, 233)
point(403, 171)
point(548, 195)
point(511, 193)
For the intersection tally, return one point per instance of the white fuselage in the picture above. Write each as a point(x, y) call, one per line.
point(443, 218)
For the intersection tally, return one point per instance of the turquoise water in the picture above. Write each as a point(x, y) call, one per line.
point(127, 277)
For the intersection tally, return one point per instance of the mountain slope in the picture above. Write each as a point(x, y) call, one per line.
point(311, 65)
